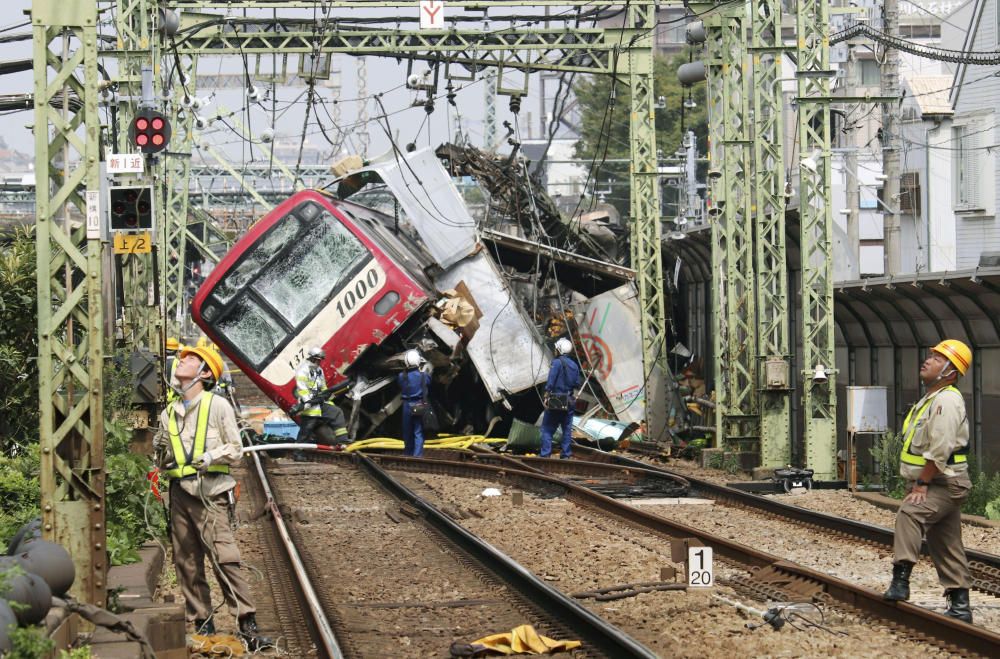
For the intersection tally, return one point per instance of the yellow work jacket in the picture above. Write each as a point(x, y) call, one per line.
point(936, 429)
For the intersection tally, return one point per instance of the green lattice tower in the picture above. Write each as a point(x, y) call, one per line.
point(136, 47)
point(769, 214)
point(646, 239)
point(730, 178)
point(819, 401)
point(70, 314)
point(175, 189)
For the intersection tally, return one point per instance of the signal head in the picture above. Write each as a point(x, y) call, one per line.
point(149, 131)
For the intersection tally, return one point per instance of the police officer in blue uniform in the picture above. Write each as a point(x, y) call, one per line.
point(414, 384)
point(565, 378)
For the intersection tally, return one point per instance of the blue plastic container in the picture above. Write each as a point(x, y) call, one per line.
point(281, 428)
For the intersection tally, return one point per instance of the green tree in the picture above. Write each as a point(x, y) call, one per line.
point(604, 129)
point(18, 342)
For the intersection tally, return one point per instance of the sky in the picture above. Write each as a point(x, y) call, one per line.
point(286, 114)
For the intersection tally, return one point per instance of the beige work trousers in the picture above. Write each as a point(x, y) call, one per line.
point(198, 532)
point(939, 519)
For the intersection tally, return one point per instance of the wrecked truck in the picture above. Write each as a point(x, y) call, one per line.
point(389, 257)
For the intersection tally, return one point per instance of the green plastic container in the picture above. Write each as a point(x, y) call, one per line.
point(524, 438)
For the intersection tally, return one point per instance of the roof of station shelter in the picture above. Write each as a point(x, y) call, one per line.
point(920, 310)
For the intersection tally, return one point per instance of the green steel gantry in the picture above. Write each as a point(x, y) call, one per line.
point(730, 179)
point(70, 313)
point(819, 400)
point(750, 288)
point(773, 349)
point(136, 47)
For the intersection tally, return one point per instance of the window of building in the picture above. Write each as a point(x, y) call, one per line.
point(909, 193)
point(869, 73)
point(973, 168)
point(966, 161)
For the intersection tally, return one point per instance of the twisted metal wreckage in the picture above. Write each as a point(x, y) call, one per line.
point(507, 285)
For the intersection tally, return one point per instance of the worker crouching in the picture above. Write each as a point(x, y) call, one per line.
point(934, 462)
point(197, 441)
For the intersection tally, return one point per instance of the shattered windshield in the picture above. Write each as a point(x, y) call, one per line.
point(310, 270)
point(255, 259)
point(282, 281)
point(252, 329)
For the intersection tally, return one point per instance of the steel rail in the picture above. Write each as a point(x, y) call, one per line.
point(596, 632)
point(860, 530)
point(920, 621)
point(324, 631)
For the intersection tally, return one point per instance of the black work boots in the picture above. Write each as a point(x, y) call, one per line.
point(250, 635)
point(899, 589)
point(958, 604)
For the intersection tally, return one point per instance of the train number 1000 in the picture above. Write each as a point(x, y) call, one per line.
point(357, 291)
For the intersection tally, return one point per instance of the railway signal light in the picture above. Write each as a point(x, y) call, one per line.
point(149, 131)
point(131, 208)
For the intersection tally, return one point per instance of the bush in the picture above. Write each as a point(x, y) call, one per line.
point(18, 343)
point(29, 643)
point(19, 491)
point(886, 452)
point(133, 515)
point(985, 493)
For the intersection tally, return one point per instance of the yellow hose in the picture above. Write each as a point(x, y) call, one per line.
point(439, 442)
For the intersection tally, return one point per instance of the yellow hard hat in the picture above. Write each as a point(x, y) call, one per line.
point(211, 358)
point(202, 342)
point(957, 353)
point(173, 344)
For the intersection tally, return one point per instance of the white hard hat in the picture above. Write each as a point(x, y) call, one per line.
point(563, 347)
point(412, 358)
point(316, 353)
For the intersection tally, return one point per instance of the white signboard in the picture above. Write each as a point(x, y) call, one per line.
point(701, 573)
point(431, 14)
point(93, 214)
point(125, 163)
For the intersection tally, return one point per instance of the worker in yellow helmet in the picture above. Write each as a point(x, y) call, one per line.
point(198, 440)
point(934, 462)
point(171, 348)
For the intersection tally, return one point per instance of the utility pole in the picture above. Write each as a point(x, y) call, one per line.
point(853, 189)
point(890, 150)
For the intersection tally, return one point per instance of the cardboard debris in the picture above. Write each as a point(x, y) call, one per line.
point(458, 310)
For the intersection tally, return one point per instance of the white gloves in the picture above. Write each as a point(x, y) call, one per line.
point(203, 462)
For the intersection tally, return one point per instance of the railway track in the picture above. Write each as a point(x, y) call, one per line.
point(382, 573)
point(764, 574)
point(985, 567)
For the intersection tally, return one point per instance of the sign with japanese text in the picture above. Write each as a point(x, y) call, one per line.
point(125, 163)
point(93, 214)
point(133, 243)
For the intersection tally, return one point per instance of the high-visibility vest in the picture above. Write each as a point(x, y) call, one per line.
point(309, 384)
point(181, 457)
point(910, 428)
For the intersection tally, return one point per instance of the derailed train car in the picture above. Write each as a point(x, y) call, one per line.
point(363, 271)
